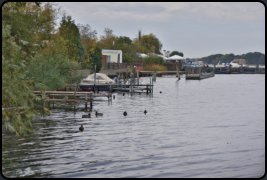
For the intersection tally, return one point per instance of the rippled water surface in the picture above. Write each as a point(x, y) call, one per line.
point(214, 127)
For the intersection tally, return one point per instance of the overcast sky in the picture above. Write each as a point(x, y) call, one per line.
point(197, 29)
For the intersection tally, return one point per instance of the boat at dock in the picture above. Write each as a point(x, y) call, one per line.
point(99, 81)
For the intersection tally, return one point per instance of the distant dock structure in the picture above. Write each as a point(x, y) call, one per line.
point(197, 73)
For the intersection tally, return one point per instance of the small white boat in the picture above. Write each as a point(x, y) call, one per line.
point(102, 82)
point(100, 79)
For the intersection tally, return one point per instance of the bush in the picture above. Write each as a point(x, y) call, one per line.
point(155, 67)
point(153, 59)
point(52, 71)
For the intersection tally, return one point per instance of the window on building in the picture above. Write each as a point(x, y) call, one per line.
point(108, 59)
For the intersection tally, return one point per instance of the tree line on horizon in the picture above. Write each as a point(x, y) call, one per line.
point(251, 58)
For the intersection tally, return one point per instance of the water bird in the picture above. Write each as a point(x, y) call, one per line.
point(98, 114)
point(145, 111)
point(81, 128)
point(86, 116)
point(160, 92)
point(125, 113)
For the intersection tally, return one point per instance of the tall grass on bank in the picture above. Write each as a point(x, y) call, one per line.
point(155, 67)
point(152, 59)
point(154, 63)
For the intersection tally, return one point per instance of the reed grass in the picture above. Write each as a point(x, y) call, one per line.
point(155, 67)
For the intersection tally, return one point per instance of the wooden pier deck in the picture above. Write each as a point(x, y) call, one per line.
point(82, 97)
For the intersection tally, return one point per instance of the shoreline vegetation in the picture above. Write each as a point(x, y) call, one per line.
point(38, 56)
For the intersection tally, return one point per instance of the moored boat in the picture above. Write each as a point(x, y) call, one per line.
point(99, 81)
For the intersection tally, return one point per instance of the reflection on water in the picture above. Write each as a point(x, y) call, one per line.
point(208, 128)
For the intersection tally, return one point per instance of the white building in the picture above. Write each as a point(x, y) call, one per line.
point(114, 56)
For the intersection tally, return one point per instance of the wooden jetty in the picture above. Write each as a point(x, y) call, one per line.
point(159, 73)
point(69, 96)
point(136, 87)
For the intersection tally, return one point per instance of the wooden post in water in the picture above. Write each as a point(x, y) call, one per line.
point(152, 87)
point(154, 76)
point(91, 102)
point(75, 95)
point(137, 77)
point(150, 84)
point(94, 78)
point(131, 88)
point(86, 101)
point(127, 75)
point(178, 71)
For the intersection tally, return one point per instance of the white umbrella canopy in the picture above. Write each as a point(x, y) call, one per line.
point(176, 57)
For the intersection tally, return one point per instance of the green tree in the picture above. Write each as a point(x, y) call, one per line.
point(153, 59)
point(129, 53)
point(261, 59)
point(28, 63)
point(17, 97)
point(88, 36)
point(149, 44)
point(177, 53)
point(124, 39)
point(108, 40)
point(23, 25)
point(70, 32)
point(94, 58)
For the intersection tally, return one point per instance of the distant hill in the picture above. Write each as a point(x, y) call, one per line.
point(252, 58)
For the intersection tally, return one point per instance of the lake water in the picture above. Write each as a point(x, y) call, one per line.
point(214, 127)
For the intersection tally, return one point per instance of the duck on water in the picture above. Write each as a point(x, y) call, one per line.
point(81, 128)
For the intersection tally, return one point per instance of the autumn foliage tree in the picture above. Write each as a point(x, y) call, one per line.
point(149, 44)
point(29, 62)
point(92, 58)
